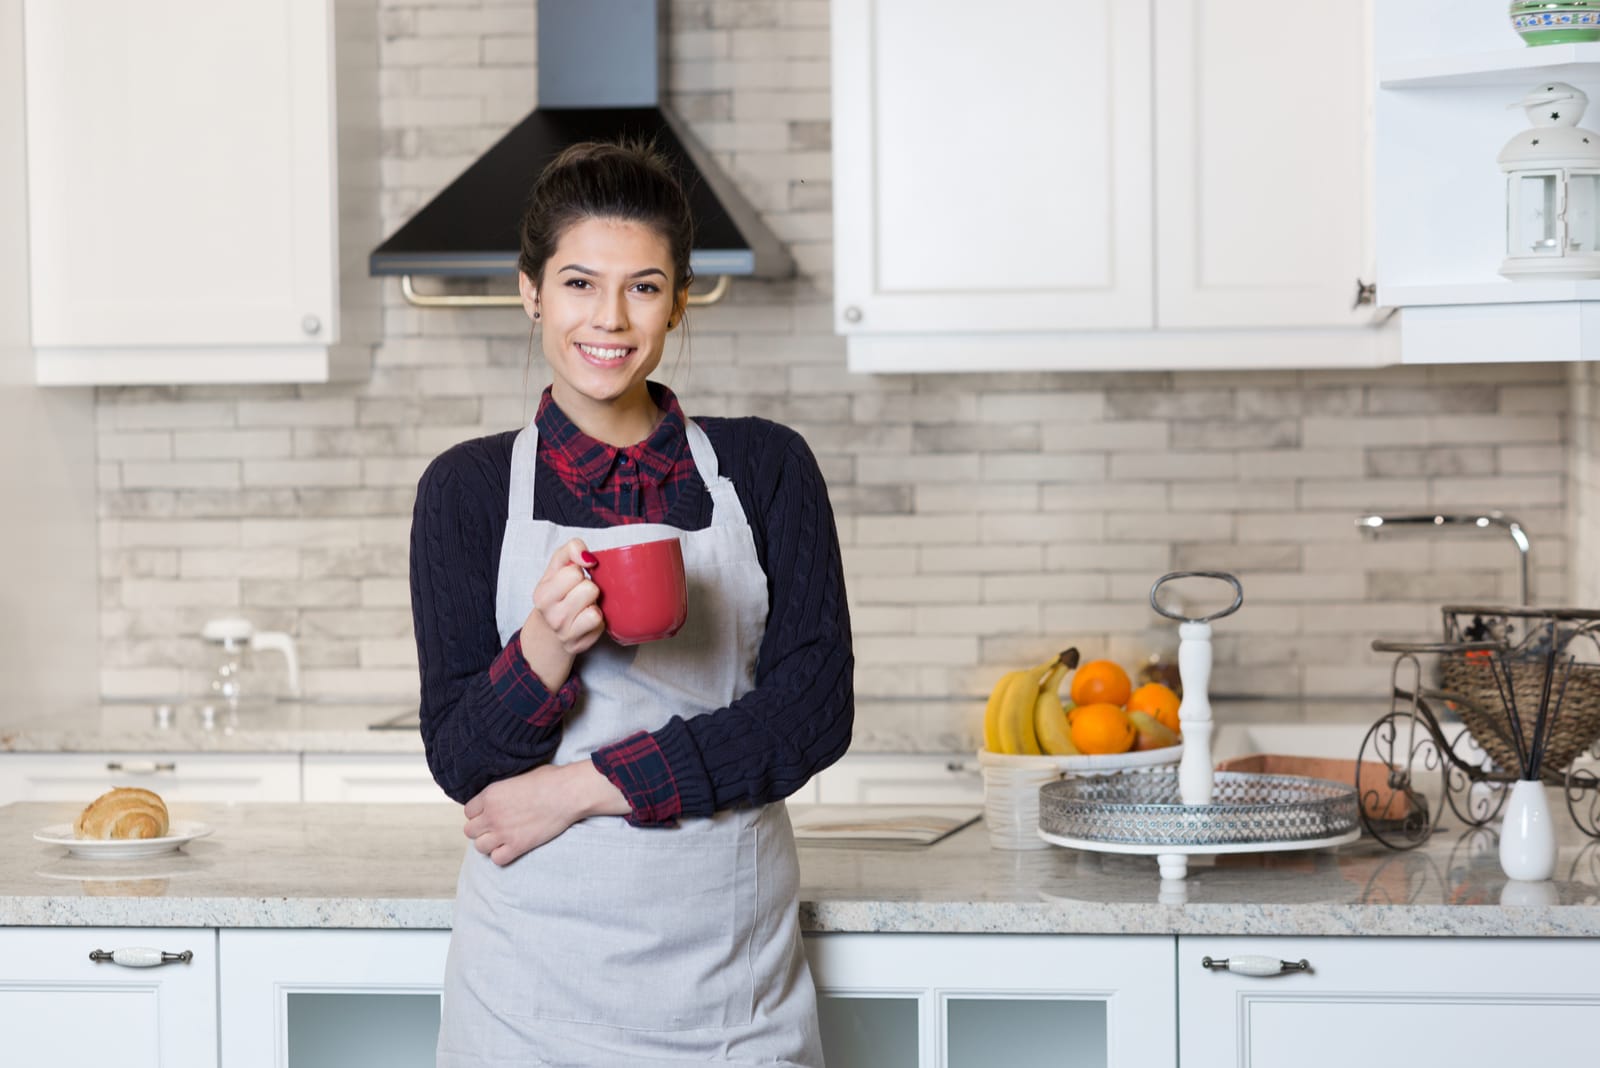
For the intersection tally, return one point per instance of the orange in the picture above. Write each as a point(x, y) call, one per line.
point(1157, 700)
point(1100, 682)
point(1102, 728)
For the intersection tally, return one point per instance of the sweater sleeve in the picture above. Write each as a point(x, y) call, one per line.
point(484, 715)
point(798, 717)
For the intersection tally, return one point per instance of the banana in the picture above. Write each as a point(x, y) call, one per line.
point(1008, 720)
point(1050, 716)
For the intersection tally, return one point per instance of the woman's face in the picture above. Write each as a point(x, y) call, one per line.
point(605, 305)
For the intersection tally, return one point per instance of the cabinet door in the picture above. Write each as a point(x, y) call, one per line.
point(369, 777)
point(976, 1001)
point(901, 779)
point(1263, 142)
point(59, 1008)
point(991, 166)
point(175, 776)
point(321, 999)
point(1410, 1000)
point(179, 173)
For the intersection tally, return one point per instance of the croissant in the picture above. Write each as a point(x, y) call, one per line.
point(124, 812)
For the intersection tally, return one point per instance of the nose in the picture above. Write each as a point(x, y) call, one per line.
point(612, 312)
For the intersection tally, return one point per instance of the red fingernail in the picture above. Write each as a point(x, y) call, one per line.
point(590, 560)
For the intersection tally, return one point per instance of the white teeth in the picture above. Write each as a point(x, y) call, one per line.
point(604, 353)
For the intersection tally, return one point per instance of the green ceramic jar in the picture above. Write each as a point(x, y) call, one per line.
point(1543, 22)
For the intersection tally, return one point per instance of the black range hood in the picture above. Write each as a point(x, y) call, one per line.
point(599, 79)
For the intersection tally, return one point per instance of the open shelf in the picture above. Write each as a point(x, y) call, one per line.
point(1509, 67)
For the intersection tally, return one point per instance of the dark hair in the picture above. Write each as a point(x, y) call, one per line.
point(627, 180)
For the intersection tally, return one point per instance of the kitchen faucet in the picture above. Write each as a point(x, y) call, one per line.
point(1374, 525)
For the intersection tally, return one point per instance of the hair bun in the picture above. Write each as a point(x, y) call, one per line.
point(123, 812)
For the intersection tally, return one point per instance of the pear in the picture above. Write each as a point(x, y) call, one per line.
point(1153, 734)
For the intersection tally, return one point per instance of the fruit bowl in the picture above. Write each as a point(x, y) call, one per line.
point(1556, 22)
point(1011, 786)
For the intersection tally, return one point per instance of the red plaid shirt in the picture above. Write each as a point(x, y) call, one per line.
point(636, 484)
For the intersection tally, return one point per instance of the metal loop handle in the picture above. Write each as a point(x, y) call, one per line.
point(1238, 594)
point(1253, 965)
point(141, 767)
point(140, 957)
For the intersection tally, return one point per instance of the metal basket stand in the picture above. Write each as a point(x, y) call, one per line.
point(1175, 815)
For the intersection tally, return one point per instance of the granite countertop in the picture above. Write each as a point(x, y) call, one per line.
point(394, 866)
point(883, 725)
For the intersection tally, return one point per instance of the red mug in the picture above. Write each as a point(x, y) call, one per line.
point(643, 592)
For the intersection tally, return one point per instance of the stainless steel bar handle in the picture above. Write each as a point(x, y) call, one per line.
point(140, 957)
point(140, 767)
point(1254, 965)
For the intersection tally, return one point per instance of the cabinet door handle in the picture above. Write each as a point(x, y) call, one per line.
point(961, 767)
point(140, 957)
point(140, 767)
point(1253, 965)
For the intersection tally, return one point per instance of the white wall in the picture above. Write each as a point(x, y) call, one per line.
point(48, 595)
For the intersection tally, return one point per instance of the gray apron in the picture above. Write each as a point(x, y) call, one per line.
point(630, 947)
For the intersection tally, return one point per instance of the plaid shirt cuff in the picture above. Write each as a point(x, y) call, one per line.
point(521, 692)
point(636, 766)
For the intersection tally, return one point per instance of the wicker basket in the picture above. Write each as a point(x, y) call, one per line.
point(1482, 710)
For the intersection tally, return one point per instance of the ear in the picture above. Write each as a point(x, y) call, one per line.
point(530, 295)
point(680, 303)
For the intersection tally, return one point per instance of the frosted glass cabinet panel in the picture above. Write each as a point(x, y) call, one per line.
point(979, 1001)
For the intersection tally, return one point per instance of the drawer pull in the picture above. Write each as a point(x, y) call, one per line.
point(141, 767)
point(140, 957)
point(961, 767)
point(1252, 965)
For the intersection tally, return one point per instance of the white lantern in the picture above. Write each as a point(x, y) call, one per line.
point(1552, 189)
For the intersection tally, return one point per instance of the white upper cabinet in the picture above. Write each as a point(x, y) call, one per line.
point(1448, 73)
point(1263, 177)
point(993, 165)
point(185, 186)
point(1030, 185)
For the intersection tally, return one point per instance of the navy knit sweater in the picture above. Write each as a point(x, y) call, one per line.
point(763, 747)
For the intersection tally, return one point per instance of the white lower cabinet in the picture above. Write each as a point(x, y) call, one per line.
point(369, 777)
point(901, 779)
point(330, 999)
point(978, 1001)
point(1390, 1001)
point(82, 777)
point(61, 1009)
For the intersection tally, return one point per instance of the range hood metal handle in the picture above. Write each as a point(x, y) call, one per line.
point(511, 300)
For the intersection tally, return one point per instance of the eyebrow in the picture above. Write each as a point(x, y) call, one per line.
point(581, 269)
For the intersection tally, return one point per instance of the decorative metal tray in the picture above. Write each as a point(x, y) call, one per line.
point(1138, 812)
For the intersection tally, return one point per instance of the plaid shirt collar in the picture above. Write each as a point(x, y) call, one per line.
point(592, 462)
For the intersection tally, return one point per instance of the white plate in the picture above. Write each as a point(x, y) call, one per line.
point(179, 832)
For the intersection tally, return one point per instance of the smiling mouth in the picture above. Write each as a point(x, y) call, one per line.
point(605, 353)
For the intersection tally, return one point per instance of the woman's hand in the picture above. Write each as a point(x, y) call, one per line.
point(512, 816)
point(565, 619)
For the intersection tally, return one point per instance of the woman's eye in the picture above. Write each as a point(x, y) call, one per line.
point(577, 282)
point(649, 287)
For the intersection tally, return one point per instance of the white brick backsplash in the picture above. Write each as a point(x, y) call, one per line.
point(339, 472)
point(973, 559)
point(281, 563)
point(153, 445)
point(1043, 527)
point(178, 474)
point(1060, 467)
point(1152, 556)
point(918, 469)
point(986, 520)
point(982, 497)
point(154, 593)
point(1130, 435)
point(1174, 465)
point(234, 445)
point(1105, 497)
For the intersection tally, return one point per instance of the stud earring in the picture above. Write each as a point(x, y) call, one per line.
point(536, 315)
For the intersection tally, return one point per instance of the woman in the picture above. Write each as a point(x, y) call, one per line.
point(629, 897)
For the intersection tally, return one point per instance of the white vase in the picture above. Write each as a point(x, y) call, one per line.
point(1527, 837)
